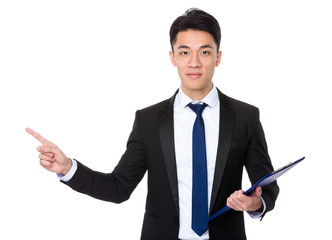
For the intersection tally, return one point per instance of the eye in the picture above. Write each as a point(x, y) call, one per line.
point(184, 53)
point(205, 52)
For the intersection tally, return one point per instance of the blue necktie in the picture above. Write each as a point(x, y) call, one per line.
point(199, 192)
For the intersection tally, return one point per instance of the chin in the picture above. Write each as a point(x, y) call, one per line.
point(197, 87)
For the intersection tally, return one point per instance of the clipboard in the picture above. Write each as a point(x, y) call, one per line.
point(266, 180)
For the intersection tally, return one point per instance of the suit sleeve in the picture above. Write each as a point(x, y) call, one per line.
point(118, 185)
point(258, 163)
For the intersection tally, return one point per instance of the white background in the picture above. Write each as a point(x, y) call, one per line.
point(76, 71)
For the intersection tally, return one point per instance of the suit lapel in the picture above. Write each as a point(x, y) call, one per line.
point(166, 130)
point(227, 119)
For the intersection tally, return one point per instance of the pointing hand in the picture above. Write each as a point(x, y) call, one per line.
point(51, 157)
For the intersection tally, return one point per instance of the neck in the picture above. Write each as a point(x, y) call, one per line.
point(197, 94)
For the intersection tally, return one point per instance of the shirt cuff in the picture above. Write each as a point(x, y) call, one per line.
point(70, 174)
point(256, 215)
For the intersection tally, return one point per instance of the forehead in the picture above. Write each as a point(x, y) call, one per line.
point(194, 38)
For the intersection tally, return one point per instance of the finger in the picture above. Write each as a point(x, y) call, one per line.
point(238, 201)
point(233, 200)
point(229, 203)
point(238, 196)
point(49, 154)
point(45, 164)
point(46, 158)
point(257, 193)
point(232, 203)
point(51, 149)
point(36, 135)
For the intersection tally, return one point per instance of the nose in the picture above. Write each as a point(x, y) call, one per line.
point(194, 61)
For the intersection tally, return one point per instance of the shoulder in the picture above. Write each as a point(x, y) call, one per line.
point(243, 111)
point(148, 119)
point(239, 105)
point(157, 107)
point(234, 104)
point(165, 105)
point(152, 114)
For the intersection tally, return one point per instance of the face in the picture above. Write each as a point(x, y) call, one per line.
point(195, 56)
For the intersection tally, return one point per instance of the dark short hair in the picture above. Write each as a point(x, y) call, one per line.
point(195, 19)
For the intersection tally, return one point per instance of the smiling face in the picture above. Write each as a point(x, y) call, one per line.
point(195, 55)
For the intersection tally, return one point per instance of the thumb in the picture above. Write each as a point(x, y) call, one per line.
point(258, 191)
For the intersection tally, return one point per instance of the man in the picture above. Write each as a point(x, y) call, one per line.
point(193, 146)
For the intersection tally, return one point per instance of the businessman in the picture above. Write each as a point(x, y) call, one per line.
point(193, 146)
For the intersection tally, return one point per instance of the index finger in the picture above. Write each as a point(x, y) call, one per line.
point(37, 135)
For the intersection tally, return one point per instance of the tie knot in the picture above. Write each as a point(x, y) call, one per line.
point(197, 108)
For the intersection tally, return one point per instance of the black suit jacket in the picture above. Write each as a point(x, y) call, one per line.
point(151, 148)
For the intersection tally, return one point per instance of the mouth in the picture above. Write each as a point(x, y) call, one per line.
point(194, 75)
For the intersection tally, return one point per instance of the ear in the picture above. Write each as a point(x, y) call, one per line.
point(171, 56)
point(218, 58)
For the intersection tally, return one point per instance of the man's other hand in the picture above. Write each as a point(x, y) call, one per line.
point(240, 202)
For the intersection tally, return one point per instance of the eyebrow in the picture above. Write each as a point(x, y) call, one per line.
point(187, 47)
point(206, 46)
point(183, 46)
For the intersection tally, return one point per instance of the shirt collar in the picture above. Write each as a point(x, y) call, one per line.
point(211, 99)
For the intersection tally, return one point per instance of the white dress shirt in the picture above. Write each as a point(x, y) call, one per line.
point(184, 119)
